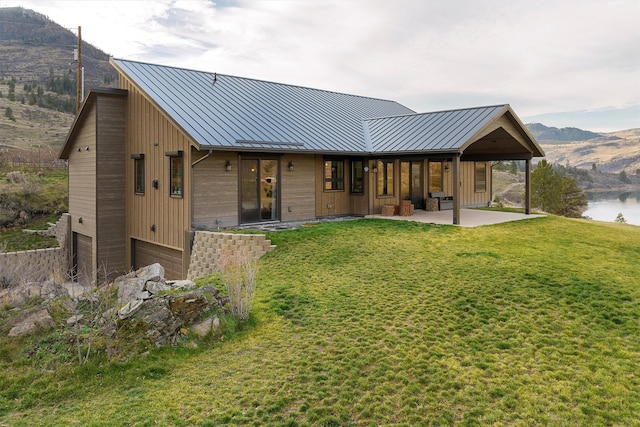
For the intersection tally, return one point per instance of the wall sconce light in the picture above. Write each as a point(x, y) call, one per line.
point(153, 228)
point(290, 166)
point(374, 169)
point(227, 165)
point(86, 148)
point(446, 167)
point(80, 220)
point(154, 183)
point(79, 149)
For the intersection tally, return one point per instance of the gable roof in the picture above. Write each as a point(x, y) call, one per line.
point(225, 112)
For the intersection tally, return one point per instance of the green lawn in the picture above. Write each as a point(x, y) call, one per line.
point(377, 322)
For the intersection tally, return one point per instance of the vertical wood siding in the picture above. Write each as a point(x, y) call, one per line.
point(151, 133)
point(82, 188)
point(296, 187)
point(215, 190)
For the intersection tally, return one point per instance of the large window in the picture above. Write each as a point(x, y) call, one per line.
point(176, 175)
point(385, 178)
point(481, 177)
point(334, 175)
point(435, 177)
point(357, 176)
point(138, 173)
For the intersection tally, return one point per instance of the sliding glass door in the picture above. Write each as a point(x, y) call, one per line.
point(259, 190)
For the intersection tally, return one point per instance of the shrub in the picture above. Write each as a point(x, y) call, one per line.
point(239, 273)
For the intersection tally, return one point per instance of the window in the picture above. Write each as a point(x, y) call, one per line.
point(334, 175)
point(175, 174)
point(481, 177)
point(435, 177)
point(138, 173)
point(357, 176)
point(385, 178)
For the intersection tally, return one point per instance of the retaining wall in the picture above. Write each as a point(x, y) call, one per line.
point(211, 248)
point(39, 264)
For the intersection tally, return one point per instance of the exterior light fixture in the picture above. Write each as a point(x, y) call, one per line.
point(446, 167)
point(227, 165)
point(374, 169)
point(290, 166)
point(153, 228)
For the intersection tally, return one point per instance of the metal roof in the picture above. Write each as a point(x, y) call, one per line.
point(227, 112)
point(438, 131)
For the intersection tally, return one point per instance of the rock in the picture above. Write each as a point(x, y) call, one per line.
point(157, 287)
point(130, 308)
point(129, 288)
point(206, 326)
point(181, 284)
point(144, 295)
point(151, 273)
point(31, 321)
point(160, 323)
point(74, 319)
point(188, 306)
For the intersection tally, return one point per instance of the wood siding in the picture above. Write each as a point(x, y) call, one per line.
point(155, 216)
point(215, 190)
point(146, 253)
point(110, 188)
point(296, 187)
point(82, 190)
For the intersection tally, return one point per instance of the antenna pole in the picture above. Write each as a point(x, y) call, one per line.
point(79, 74)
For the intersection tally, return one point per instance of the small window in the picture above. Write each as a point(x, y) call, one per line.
point(176, 174)
point(138, 173)
point(481, 177)
point(385, 178)
point(334, 175)
point(357, 176)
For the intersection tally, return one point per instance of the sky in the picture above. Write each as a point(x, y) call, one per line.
point(563, 63)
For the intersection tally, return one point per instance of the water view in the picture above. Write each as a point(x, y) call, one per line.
point(607, 206)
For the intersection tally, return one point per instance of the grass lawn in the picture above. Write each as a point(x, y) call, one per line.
point(378, 322)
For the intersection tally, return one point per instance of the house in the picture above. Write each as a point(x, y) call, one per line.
point(175, 150)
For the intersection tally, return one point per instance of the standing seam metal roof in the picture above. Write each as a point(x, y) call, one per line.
point(240, 113)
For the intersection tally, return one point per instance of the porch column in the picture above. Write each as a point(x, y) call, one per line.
point(456, 189)
point(527, 186)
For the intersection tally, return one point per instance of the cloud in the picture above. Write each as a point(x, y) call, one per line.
point(539, 55)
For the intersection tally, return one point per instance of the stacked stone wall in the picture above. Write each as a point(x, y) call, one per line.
point(211, 249)
point(39, 264)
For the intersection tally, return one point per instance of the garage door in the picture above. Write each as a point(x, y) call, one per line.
point(145, 253)
point(82, 256)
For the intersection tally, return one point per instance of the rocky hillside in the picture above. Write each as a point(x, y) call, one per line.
point(38, 83)
point(605, 152)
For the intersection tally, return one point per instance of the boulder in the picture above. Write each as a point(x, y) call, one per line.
point(151, 273)
point(205, 327)
point(129, 288)
point(31, 321)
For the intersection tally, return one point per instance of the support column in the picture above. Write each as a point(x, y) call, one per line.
point(456, 189)
point(527, 186)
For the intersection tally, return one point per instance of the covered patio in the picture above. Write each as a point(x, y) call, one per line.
point(472, 217)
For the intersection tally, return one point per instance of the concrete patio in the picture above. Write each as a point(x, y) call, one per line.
point(468, 217)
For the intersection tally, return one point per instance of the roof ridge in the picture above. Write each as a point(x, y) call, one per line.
point(436, 112)
point(262, 81)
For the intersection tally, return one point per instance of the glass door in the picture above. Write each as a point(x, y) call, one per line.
point(258, 190)
point(411, 182)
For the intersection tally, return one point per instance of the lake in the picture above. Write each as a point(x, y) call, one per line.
point(606, 206)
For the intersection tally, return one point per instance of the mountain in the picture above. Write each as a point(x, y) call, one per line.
point(612, 152)
point(38, 84)
point(544, 133)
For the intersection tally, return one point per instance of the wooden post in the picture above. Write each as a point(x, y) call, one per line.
point(527, 186)
point(79, 73)
point(456, 189)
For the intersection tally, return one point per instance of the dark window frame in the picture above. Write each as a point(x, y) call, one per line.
point(176, 174)
point(480, 177)
point(385, 180)
point(335, 180)
point(138, 173)
point(357, 176)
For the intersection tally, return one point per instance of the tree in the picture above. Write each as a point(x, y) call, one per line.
point(624, 178)
point(620, 219)
point(544, 187)
point(556, 194)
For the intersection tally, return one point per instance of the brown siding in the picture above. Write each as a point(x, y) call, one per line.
point(83, 250)
point(150, 132)
point(331, 202)
point(215, 190)
point(110, 203)
point(296, 187)
point(469, 197)
point(146, 253)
